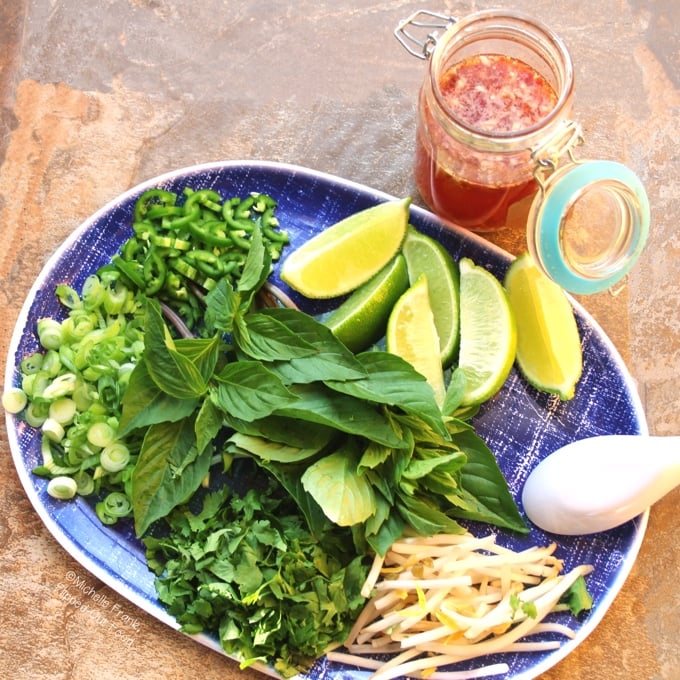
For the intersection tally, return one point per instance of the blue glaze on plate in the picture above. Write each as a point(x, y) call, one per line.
point(520, 425)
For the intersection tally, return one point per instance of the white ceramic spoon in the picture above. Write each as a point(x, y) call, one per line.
point(598, 483)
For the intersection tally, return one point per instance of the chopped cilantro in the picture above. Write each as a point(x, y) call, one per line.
point(247, 569)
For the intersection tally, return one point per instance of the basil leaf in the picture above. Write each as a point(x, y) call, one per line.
point(387, 533)
point(272, 451)
point(317, 404)
point(425, 518)
point(422, 467)
point(209, 422)
point(454, 392)
point(247, 390)
point(374, 455)
point(391, 380)
point(222, 307)
point(291, 431)
point(485, 487)
point(174, 373)
point(331, 361)
point(257, 266)
point(202, 352)
point(168, 471)
point(144, 403)
point(265, 337)
point(345, 497)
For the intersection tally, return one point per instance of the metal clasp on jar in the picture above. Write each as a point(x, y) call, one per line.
point(548, 153)
point(427, 20)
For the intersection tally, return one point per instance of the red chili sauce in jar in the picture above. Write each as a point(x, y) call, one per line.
point(488, 94)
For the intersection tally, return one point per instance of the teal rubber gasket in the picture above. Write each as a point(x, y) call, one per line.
point(555, 203)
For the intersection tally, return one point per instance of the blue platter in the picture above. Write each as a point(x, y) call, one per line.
point(520, 425)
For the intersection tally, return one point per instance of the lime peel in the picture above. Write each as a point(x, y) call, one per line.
point(361, 319)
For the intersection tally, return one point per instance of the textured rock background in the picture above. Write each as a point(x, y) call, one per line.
point(94, 101)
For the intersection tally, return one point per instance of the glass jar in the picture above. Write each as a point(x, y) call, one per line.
point(495, 123)
point(469, 168)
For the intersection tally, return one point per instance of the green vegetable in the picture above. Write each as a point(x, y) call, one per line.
point(248, 568)
point(63, 410)
point(179, 251)
point(373, 449)
point(577, 598)
point(73, 388)
point(62, 488)
point(169, 470)
point(114, 457)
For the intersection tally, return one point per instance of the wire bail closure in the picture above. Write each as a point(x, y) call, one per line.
point(422, 19)
point(547, 154)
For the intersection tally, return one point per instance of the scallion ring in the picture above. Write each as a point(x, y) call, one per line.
point(63, 488)
point(117, 504)
point(114, 457)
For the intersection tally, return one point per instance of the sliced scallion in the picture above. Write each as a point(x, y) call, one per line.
point(101, 434)
point(63, 488)
point(53, 430)
point(114, 457)
point(50, 333)
point(14, 400)
point(85, 483)
point(117, 504)
point(60, 386)
point(63, 410)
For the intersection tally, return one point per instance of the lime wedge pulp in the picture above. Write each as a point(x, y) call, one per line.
point(549, 353)
point(348, 253)
point(412, 335)
point(488, 335)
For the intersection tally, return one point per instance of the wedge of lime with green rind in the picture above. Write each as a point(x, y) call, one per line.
point(425, 255)
point(488, 333)
point(549, 352)
point(348, 253)
point(361, 320)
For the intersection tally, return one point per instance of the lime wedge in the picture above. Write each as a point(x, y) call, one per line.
point(361, 319)
point(426, 256)
point(488, 336)
point(347, 254)
point(412, 335)
point(549, 351)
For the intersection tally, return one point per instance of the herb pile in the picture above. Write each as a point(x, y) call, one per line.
point(248, 568)
point(358, 439)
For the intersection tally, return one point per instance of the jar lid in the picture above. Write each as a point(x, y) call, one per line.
point(588, 225)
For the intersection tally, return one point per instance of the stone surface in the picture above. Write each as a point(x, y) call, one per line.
point(92, 102)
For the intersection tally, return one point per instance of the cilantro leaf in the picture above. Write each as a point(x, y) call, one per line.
point(248, 569)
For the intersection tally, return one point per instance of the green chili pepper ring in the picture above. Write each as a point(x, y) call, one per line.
point(179, 246)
